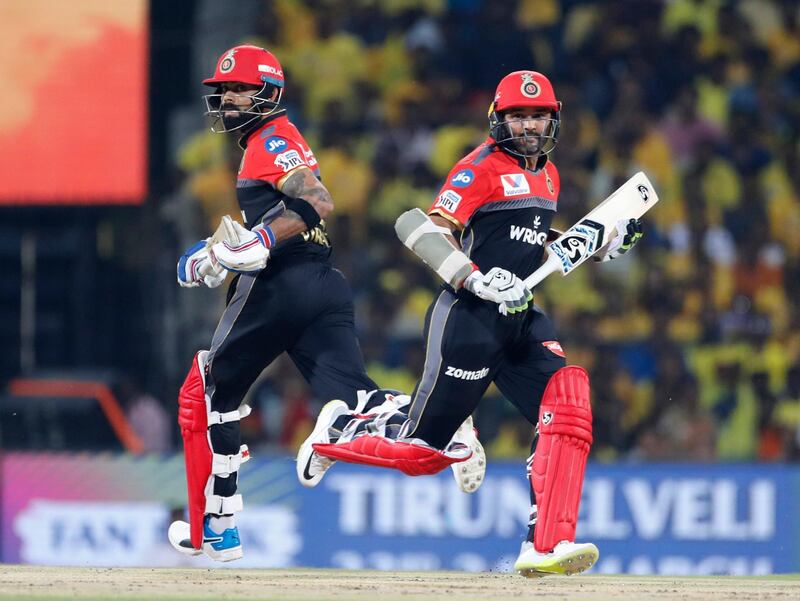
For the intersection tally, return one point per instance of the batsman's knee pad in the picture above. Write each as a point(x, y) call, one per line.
point(202, 464)
point(559, 462)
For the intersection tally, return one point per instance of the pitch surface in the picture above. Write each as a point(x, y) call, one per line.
point(121, 584)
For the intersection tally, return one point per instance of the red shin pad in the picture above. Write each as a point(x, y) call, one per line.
point(411, 459)
point(193, 421)
point(559, 461)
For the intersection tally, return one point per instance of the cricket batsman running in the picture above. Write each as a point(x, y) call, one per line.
point(484, 234)
point(287, 297)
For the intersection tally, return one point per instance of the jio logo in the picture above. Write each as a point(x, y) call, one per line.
point(274, 144)
point(463, 178)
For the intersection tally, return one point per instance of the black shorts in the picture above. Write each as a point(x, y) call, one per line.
point(468, 346)
point(298, 306)
point(304, 308)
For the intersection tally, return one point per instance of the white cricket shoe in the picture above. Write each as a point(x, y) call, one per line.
point(311, 466)
point(219, 546)
point(566, 558)
point(469, 474)
point(180, 538)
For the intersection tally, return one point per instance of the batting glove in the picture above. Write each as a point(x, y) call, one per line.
point(502, 287)
point(236, 248)
point(195, 268)
point(628, 234)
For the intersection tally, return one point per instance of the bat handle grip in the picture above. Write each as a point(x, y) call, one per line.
point(548, 267)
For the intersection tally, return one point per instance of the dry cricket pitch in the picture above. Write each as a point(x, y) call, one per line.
point(28, 583)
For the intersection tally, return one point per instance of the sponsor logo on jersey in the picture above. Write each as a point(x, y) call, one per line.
point(275, 144)
point(448, 200)
point(289, 160)
point(554, 347)
point(526, 234)
point(515, 184)
point(465, 374)
point(547, 417)
point(310, 158)
point(462, 179)
point(549, 182)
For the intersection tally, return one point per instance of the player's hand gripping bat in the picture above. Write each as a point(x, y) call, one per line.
point(630, 201)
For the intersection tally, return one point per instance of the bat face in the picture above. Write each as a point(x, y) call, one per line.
point(576, 244)
point(631, 200)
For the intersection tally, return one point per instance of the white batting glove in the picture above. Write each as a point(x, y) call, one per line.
point(628, 234)
point(502, 287)
point(195, 268)
point(236, 248)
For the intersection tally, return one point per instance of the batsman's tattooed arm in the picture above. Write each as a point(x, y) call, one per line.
point(301, 184)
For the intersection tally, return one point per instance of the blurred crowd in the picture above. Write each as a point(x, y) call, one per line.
point(692, 340)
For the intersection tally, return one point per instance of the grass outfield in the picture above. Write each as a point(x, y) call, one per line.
point(121, 584)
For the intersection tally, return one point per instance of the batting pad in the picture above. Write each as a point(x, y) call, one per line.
point(411, 459)
point(193, 421)
point(559, 463)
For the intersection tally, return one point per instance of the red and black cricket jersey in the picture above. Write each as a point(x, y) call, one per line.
point(271, 152)
point(503, 209)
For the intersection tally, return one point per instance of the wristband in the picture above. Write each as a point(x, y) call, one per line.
point(307, 212)
point(266, 235)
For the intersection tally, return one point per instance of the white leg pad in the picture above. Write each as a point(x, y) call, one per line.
point(222, 505)
point(224, 465)
point(215, 417)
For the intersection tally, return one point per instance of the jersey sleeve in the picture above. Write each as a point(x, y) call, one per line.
point(270, 159)
point(464, 191)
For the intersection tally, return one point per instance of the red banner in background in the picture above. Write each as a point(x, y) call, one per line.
point(73, 113)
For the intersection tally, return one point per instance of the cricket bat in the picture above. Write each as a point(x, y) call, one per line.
point(631, 200)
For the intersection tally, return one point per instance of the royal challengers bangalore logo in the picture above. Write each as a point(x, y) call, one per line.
point(529, 87)
point(227, 63)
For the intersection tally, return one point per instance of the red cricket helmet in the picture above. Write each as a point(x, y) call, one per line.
point(524, 89)
point(249, 65)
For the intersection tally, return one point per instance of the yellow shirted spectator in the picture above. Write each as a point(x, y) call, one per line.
point(328, 70)
point(450, 143)
point(348, 180)
point(395, 196)
point(712, 101)
point(722, 188)
point(783, 206)
point(701, 14)
point(298, 26)
point(389, 65)
point(534, 14)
